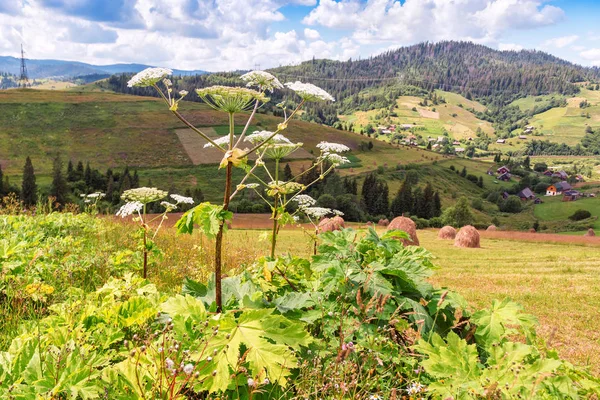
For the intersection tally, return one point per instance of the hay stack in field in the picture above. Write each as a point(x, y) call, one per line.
point(467, 236)
point(590, 233)
point(383, 222)
point(447, 232)
point(492, 228)
point(369, 223)
point(531, 230)
point(338, 222)
point(407, 225)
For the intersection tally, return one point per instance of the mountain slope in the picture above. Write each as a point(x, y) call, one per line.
point(38, 69)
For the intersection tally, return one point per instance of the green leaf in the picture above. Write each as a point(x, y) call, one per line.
point(207, 216)
point(493, 323)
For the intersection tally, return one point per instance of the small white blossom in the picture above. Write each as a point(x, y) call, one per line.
point(337, 212)
point(316, 212)
point(296, 218)
point(336, 159)
point(260, 136)
point(220, 142)
point(328, 147)
point(188, 369)
point(309, 92)
point(415, 388)
point(251, 382)
point(262, 79)
point(148, 77)
point(168, 206)
point(304, 200)
point(144, 195)
point(129, 208)
point(96, 195)
point(170, 363)
point(183, 93)
point(182, 199)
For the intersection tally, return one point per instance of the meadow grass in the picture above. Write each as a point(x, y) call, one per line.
point(554, 209)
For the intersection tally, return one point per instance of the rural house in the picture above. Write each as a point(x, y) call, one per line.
point(504, 177)
point(526, 194)
point(557, 189)
point(562, 175)
point(502, 170)
point(500, 141)
point(571, 195)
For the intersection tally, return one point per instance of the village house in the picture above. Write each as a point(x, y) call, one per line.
point(406, 126)
point(526, 194)
point(459, 150)
point(502, 170)
point(522, 137)
point(501, 141)
point(456, 143)
point(528, 129)
point(557, 189)
point(504, 177)
point(571, 195)
point(562, 175)
point(548, 173)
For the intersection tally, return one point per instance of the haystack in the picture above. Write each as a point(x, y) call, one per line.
point(492, 228)
point(531, 230)
point(447, 232)
point(590, 233)
point(407, 225)
point(383, 222)
point(338, 222)
point(467, 236)
point(369, 223)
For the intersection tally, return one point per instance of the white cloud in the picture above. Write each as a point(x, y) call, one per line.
point(509, 47)
point(418, 20)
point(561, 42)
point(311, 34)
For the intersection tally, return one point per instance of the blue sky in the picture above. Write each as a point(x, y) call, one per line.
point(221, 35)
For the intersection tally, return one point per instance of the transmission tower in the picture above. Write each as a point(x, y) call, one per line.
point(23, 79)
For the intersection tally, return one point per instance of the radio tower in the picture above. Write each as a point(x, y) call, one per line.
point(23, 79)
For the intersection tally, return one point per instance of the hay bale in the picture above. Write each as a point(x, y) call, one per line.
point(369, 223)
point(447, 232)
point(590, 233)
point(531, 230)
point(331, 224)
point(338, 222)
point(407, 225)
point(492, 228)
point(467, 236)
point(383, 222)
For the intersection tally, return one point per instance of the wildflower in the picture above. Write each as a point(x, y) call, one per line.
point(220, 142)
point(328, 147)
point(266, 381)
point(304, 200)
point(209, 359)
point(251, 382)
point(296, 218)
point(309, 92)
point(182, 199)
point(96, 195)
point(188, 369)
point(148, 77)
point(160, 349)
point(338, 213)
point(167, 82)
point(129, 208)
point(168, 206)
point(170, 363)
point(375, 397)
point(263, 80)
point(230, 99)
point(316, 212)
point(144, 195)
point(336, 159)
point(415, 388)
point(252, 185)
point(284, 187)
point(279, 151)
point(260, 136)
point(183, 93)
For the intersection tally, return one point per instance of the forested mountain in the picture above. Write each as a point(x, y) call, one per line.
point(7, 80)
point(39, 69)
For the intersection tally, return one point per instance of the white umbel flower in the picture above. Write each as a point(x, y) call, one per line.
point(224, 140)
point(304, 200)
point(144, 195)
point(336, 159)
point(316, 212)
point(168, 206)
point(188, 369)
point(262, 79)
point(129, 208)
point(182, 199)
point(260, 136)
point(328, 147)
point(309, 92)
point(148, 77)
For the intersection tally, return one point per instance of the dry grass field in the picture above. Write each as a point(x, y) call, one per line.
point(554, 277)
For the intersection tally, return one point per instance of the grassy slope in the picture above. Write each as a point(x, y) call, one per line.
point(554, 209)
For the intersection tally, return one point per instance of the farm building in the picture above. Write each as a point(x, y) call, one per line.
point(459, 149)
point(504, 177)
point(528, 129)
point(557, 189)
point(500, 141)
point(526, 194)
point(406, 126)
point(562, 175)
point(548, 173)
point(502, 170)
point(571, 195)
point(456, 143)
point(522, 137)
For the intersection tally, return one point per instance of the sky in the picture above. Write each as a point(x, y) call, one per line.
point(224, 35)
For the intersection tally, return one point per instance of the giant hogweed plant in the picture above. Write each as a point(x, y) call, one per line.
point(231, 100)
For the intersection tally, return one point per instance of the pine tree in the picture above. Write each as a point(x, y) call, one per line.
point(480, 182)
point(527, 163)
point(110, 188)
point(79, 172)
point(463, 173)
point(428, 202)
point(70, 172)
point(198, 196)
point(437, 205)
point(125, 183)
point(402, 203)
point(28, 187)
point(428, 145)
point(87, 175)
point(135, 180)
point(369, 193)
point(418, 206)
point(59, 188)
point(382, 201)
point(287, 173)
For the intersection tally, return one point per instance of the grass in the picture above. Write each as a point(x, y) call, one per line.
point(554, 209)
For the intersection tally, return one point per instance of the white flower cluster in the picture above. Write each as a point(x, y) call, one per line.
point(304, 200)
point(262, 79)
point(316, 212)
point(328, 147)
point(415, 388)
point(129, 208)
point(144, 195)
point(336, 159)
point(309, 92)
point(182, 199)
point(148, 77)
point(220, 142)
point(261, 136)
point(168, 206)
point(88, 198)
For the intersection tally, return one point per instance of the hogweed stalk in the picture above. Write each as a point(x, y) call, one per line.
point(231, 100)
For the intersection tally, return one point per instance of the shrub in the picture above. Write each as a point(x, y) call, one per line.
point(472, 178)
point(512, 204)
point(477, 204)
point(580, 214)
